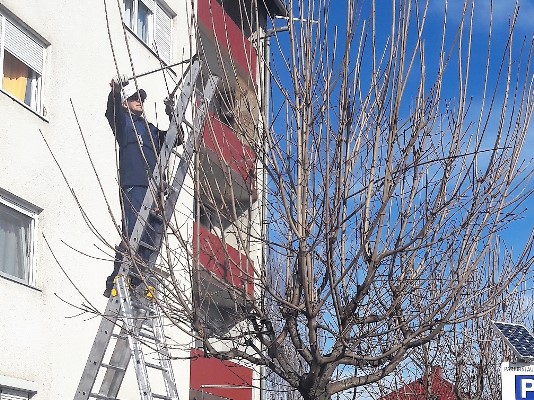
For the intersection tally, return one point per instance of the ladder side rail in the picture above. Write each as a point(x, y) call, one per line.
point(120, 358)
point(164, 356)
point(185, 159)
point(98, 350)
point(178, 117)
point(189, 147)
point(131, 325)
point(179, 177)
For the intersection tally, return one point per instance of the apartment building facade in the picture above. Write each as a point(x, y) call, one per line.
point(59, 208)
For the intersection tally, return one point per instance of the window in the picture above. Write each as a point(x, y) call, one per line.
point(151, 21)
point(18, 226)
point(22, 56)
point(16, 389)
point(13, 394)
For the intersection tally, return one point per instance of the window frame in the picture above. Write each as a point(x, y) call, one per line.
point(37, 96)
point(18, 387)
point(32, 212)
point(156, 8)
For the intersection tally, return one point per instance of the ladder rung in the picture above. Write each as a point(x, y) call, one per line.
point(177, 153)
point(147, 336)
point(119, 336)
point(155, 366)
point(174, 189)
point(101, 396)
point(147, 246)
point(109, 366)
point(160, 396)
point(140, 306)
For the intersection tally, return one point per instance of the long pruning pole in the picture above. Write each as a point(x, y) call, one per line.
point(159, 69)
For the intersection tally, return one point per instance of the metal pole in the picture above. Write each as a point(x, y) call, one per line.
point(159, 69)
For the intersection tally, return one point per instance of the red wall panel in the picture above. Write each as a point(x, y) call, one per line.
point(222, 140)
point(216, 23)
point(226, 263)
point(225, 374)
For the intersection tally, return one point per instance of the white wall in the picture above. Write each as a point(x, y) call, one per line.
point(42, 337)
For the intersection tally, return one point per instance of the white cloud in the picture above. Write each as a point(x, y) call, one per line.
point(503, 11)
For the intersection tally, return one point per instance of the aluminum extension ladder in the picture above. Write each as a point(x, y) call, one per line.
point(138, 316)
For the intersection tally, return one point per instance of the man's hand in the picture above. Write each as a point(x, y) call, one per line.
point(117, 82)
point(169, 105)
point(169, 110)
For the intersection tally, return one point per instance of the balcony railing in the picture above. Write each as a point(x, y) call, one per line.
point(215, 23)
point(235, 162)
point(222, 261)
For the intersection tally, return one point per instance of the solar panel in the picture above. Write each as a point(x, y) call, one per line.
point(518, 338)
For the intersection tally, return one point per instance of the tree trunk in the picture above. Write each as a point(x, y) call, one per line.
point(315, 395)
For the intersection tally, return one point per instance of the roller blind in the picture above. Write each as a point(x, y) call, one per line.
point(163, 34)
point(151, 4)
point(23, 46)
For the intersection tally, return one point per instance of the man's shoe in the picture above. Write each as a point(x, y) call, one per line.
point(107, 292)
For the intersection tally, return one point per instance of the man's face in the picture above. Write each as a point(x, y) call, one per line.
point(134, 104)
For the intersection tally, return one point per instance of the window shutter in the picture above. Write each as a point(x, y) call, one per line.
point(163, 34)
point(12, 394)
point(24, 47)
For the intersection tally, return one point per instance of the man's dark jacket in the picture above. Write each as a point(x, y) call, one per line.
point(134, 165)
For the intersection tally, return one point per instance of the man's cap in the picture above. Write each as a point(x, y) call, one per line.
point(129, 91)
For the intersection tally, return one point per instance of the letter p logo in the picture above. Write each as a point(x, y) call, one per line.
point(524, 387)
point(527, 385)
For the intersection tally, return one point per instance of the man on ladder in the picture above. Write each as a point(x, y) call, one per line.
point(136, 315)
point(139, 144)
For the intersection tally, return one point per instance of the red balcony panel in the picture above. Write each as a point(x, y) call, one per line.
point(222, 140)
point(234, 381)
point(224, 262)
point(217, 24)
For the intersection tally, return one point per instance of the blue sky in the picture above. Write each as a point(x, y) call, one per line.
point(502, 14)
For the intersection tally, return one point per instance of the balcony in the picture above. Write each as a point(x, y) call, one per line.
point(227, 267)
point(225, 285)
point(213, 379)
point(219, 28)
point(228, 165)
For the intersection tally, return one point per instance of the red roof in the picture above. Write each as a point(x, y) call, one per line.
point(441, 388)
